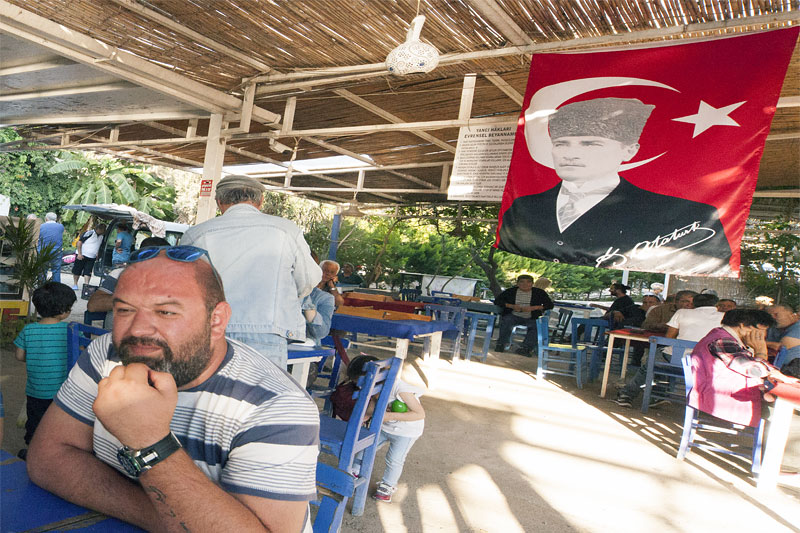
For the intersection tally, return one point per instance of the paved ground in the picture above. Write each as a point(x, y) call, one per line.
point(504, 452)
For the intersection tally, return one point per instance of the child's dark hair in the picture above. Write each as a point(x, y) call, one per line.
point(53, 299)
point(356, 366)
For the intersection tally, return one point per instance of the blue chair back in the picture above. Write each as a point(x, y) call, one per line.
point(90, 317)
point(592, 333)
point(345, 440)
point(560, 331)
point(79, 336)
point(441, 300)
point(713, 427)
point(669, 371)
point(456, 316)
point(410, 295)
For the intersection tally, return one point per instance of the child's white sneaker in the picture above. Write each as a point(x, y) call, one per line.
point(384, 492)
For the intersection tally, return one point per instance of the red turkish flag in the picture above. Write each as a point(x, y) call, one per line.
point(644, 158)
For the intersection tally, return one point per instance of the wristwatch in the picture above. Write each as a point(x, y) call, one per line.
point(137, 461)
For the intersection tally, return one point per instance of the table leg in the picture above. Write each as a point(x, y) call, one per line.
point(777, 433)
point(625, 358)
point(401, 348)
point(300, 373)
point(609, 352)
point(432, 346)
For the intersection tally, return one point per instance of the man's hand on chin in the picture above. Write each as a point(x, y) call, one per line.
point(136, 404)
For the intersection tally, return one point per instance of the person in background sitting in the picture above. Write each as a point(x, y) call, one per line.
point(348, 275)
point(521, 305)
point(330, 270)
point(788, 326)
point(725, 305)
point(43, 348)
point(658, 316)
point(729, 366)
point(318, 307)
point(622, 308)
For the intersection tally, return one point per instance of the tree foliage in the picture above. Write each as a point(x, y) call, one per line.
point(771, 261)
point(24, 178)
point(104, 180)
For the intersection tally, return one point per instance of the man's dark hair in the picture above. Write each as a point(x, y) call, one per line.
point(525, 276)
point(100, 226)
point(357, 364)
point(53, 299)
point(705, 300)
point(726, 300)
point(621, 287)
point(154, 241)
point(747, 317)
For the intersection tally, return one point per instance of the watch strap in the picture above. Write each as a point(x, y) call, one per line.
point(137, 461)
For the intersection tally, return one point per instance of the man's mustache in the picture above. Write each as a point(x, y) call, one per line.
point(161, 364)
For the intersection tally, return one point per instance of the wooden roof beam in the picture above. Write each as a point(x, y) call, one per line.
point(361, 102)
point(503, 85)
point(338, 74)
point(501, 20)
point(87, 50)
point(187, 32)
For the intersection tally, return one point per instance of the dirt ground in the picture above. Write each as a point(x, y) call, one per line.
point(505, 452)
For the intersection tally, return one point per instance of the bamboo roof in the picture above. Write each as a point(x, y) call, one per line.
point(323, 57)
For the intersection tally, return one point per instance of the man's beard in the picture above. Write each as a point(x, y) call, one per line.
point(192, 356)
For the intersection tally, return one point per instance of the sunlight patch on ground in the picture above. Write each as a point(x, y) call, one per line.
point(481, 502)
point(436, 514)
point(391, 514)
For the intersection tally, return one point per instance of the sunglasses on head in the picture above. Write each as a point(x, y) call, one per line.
point(183, 254)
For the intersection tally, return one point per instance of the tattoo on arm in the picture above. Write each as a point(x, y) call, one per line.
point(162, 499)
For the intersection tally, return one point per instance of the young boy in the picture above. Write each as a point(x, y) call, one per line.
point(43, 348)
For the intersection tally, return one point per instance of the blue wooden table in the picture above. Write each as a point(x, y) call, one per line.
point(301, 357)
point(26, 507)
point(404, 331)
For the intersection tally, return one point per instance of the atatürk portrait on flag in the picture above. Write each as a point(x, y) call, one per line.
point(643, 157)
point(597, 218)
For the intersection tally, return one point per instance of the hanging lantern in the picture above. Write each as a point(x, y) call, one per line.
point(413, 56)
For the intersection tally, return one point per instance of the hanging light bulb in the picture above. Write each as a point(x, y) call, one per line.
point(413, 56)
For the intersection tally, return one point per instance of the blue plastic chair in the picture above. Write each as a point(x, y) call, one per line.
point(692, 423)
point(79, 336)
point(332, 375)
point(667, 372)
point(560, 359)
point(474, 319)
point(90, 317)
point(345, 440)
point(410, 295)
point(337, 486)
point(456, 316)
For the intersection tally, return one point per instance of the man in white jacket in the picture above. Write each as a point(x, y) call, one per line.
point(265, 265)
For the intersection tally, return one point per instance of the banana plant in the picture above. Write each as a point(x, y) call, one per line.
point(102, 180)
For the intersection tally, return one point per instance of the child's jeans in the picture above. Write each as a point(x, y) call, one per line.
point(395, 456)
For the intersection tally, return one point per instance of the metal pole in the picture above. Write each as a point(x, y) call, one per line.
point(334, 246)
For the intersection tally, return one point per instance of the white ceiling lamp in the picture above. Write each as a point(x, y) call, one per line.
point(352, 209)
point(413, 56)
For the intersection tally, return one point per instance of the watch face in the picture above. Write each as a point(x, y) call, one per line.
point(128, 463)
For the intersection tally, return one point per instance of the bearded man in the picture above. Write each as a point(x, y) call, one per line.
point(168, 425)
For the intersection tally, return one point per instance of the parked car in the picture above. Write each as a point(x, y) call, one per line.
point(113, 215)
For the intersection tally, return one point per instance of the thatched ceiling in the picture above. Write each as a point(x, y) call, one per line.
point(325, 54)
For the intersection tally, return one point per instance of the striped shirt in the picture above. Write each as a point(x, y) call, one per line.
point(45, 348)
point(249, 427)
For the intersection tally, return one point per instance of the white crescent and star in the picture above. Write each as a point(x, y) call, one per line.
point(546, 101)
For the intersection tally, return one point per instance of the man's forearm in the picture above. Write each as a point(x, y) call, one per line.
point(186, 500)
point(79, 477)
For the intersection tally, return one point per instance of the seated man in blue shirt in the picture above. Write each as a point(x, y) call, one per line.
point(788, 324)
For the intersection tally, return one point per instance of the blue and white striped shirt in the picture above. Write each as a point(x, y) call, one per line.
point(249, 427)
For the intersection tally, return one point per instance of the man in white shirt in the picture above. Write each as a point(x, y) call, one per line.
point(88, 247)
point(685, 324)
